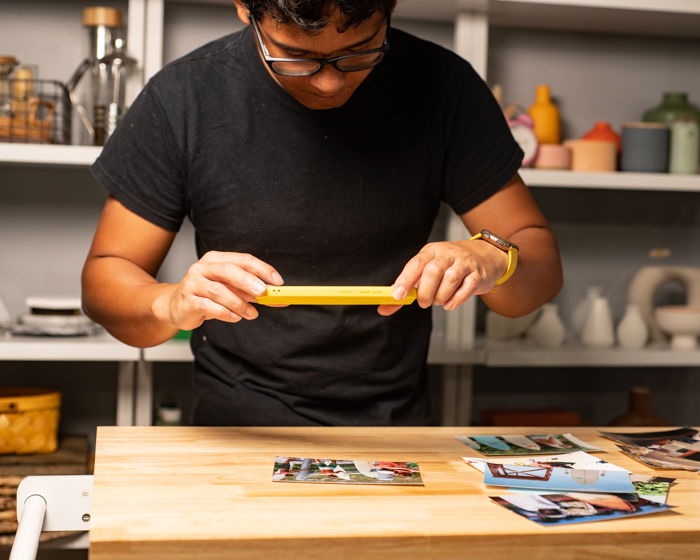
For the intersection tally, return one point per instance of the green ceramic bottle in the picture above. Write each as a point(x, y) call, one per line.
point(673, 106)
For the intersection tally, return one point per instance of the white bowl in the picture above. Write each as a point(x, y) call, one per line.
point(681, 322)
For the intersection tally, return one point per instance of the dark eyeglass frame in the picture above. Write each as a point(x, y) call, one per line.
point(270, 60)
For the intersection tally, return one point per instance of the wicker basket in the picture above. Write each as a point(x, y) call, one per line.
point(28, 420)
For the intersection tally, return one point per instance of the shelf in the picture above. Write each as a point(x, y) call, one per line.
point(617, 180)
point(178, 350)
point(522, 353)
point(673, 18)
point(670, 18)
point(48, 154)
point(98, 348)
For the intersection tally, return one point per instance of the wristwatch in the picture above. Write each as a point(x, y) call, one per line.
point(505, 246)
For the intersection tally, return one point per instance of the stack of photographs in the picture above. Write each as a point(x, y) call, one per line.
point(526, 445)
point(572, 488)
point(669, 449)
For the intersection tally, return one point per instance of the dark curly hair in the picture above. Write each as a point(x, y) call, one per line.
point(312, 15)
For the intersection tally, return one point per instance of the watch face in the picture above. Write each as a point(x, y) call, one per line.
point(526, 139)
point(496, 240)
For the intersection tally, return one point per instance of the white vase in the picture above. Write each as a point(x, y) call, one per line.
point(598, 330)
point(548, 331)
point(578, 317)
point(5, 316)
point(632, 331)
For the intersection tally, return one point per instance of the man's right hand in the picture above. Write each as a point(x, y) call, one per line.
point(219, 286)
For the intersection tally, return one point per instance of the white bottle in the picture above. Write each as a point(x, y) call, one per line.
point(548, 331)
point(580, 313)
point(598, 330)
point(632, 331)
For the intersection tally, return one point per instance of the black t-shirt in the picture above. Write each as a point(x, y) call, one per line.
point(335, 197)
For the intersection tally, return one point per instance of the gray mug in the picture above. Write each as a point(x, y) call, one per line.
point(645, 147)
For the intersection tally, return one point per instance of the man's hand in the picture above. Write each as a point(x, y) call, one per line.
point(448, 273)
point(218, 286)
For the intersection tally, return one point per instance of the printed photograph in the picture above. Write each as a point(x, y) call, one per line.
point(334, 471)
point(652, 488)
point(659, 457)
point(546, 477)
point(561, 509)
point(644, 439)
point(545, 444)
point(575, 460)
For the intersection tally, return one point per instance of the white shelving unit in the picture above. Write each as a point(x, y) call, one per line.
point(98, 348)
point(473, 19)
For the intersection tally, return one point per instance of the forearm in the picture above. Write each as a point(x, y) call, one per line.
point(120, 296)
point(538, 276)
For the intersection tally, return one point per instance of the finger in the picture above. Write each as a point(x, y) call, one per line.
point(220, 294)
point(387, 310)
point(411, 273)
point(250, 263)
point(234, 277)
point(451, 281)
point(208, 309)
point(466, 290)
point(431, 279)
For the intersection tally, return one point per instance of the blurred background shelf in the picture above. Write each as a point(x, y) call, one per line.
point(48, 154)
point(671, 18)
point(523, 353)
point(617, 180)
point(98, 348)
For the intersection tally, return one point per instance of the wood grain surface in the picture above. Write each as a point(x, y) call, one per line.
point(207, 493)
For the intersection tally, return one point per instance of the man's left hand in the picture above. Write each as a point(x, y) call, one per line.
point(448, 273)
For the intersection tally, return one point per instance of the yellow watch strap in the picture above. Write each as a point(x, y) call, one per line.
point(512, 260)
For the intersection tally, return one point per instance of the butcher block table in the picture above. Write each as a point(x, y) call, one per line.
point(206, 493)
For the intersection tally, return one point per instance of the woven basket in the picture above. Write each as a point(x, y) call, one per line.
point(28, 420)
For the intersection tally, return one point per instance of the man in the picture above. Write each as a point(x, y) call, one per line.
point(313, 147)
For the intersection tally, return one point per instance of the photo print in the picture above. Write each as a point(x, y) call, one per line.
point(544, 444)
point(336, 471)
point(567, 508)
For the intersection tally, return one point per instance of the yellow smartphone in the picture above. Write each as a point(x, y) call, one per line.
point(332, 295)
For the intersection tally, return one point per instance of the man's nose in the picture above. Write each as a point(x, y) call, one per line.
point(328, 80)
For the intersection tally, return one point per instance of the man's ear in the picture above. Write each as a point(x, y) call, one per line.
point(242, 12)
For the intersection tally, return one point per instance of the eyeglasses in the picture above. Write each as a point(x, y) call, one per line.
point(308, 66)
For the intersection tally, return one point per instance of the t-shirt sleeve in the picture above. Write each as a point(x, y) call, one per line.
point(481, 153)
point(142, 164)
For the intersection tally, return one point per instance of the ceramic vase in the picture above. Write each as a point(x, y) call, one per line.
point(5, 316)
point(546, 116)
point(685, 146)
point(603, 131)
point(580, 313)
point(548, 330)
point(598, 330)
point(639, 411)
point(632, 331)
point(673, 106)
